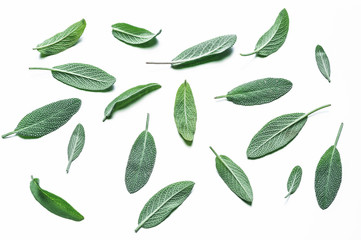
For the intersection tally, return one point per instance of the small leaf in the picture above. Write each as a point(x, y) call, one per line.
point(75, 145)
point(274, 38)
point(277, 133)
point(81, 76)
point(62, 41)
point(141, 161)
point(294, 180)
point(53, 203)
point(323, 62)
point(258, 92)
point(163, 203)
point(185, 112)
point(131, 34)
point(328, 175)
point(234, 177)
point(46, 119)
point(128, 97)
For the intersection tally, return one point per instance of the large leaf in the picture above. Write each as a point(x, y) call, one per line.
point(131, 34)
point(322, 62)
point(294, 180)
point(76, 144)
point(81, 76)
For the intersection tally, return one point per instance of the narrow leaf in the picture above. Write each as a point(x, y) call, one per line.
point(294, 180)
point(323, 62)
point(131, 34)
point(75, 145)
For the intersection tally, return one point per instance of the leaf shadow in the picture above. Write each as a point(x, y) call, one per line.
point(187, 142)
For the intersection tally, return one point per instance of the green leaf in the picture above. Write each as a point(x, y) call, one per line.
point(294, 180)
point(328, 175)
point(62, 41)
point(163, 203)
point(258, 92)
point(185, 112)
point(322, 62)
point(234, 177)
point(141, 161)
point(277, 133)
point(53, 203)
point(46, 119)
point(81, 76)
point(274, 38)
point(202, 50)
point(131, 34)
point(128, 97)
point(75, 145)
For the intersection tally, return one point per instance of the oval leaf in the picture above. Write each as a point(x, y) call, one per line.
point(185, 112)
point(46, 119)
point(322, 62)
point(294, 180)
point(141, 161)
point(81, 76)
point(131, 34)
point(163, 203)
point(258, 92)
point(62, 41)
point(128, 97)
point(76, 144)
point(53, 203)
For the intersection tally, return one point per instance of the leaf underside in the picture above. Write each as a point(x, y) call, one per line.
point(131, 34)
point(294, 180)
point(322, 62)
point(76, 144)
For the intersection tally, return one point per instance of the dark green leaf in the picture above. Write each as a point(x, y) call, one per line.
point(75, 145)
point(323, 62)
point(131, 34)
point(294, 180)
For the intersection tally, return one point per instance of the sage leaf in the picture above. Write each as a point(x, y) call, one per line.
point(46, 119)
point(202, 50)
point(163, 203)
point(234, 177)
point(75, 145)
point(322, 62)
point(141, 161)
point(131, 34)
point(81, 76)
point(185, 112)
point(328, 175)
point(128, 97)
point(277, 133)
point(63, 40)
point(274, 38)
point(294, 180)
point(53, 203)
point(258, 92)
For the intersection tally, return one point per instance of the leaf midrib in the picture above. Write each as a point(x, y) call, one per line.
point(74, 30)
point(253, 91)
point(270, 39)
point(79, 75)
point(133, 35)
point(77, 137)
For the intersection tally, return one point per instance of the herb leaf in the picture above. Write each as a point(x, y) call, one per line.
point(128, 97)
point(234, 177)
point(322, 62)
point(81, 76)
point(328, 175)
point(46, 119)
point(163, 203)
point(185, 112)
point(294, 180)
point(258, 92)
point(62, 40)
point(76, 144)
point(274, 38)
point(277, 133)
point(141, 161)
point(131, 34)
point(53, 203)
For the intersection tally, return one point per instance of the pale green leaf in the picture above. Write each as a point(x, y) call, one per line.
point(294, 180)
point(322, 62)
point(131, 34)
point(76, 144)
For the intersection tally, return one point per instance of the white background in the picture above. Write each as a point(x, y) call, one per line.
point(95, 185)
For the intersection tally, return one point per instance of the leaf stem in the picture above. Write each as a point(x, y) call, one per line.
point(338, 134)
point(248, 54)
point(214, 152)
point(159, 62)
point(105, 118)
point(317, 109)
point(137, 229)
point(68, 167)
point(147, 123)
point(40, 68)
point(223, 96)
point(8, 134)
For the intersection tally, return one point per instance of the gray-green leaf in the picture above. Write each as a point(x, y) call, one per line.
point(128, 97)
point(53, 203)
point(163, 203)
point(328, 175)
point(141, 161)
point(277, 133)
point(185, 112)
point(46, 119)
point(294, 180)
point(63, 40)
point(274, 38)
point(322, 62)
point(234, 177)
point(131, 34)
point(258, 92)
point(75, 145)
point(81, 76)
point(202, 50)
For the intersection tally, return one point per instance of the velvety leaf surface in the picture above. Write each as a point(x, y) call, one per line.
point(75, 145)
point(323, 63)
point(131, 34)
